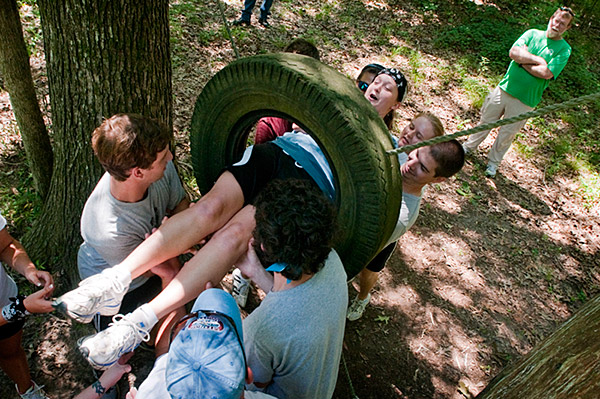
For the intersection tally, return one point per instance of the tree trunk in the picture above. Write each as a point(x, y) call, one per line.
point(15, 70)
point(564, 365)
point(103, 57)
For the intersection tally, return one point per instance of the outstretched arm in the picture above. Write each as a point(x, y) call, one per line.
point(13, 254)
point(534, 64)
point(107, 380)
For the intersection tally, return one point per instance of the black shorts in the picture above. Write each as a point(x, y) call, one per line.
point(378, 262)
point(261, 164)
point(133, 300)
point(10, 329)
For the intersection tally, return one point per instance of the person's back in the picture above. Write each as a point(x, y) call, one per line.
point(294, 338)
point(302, 330)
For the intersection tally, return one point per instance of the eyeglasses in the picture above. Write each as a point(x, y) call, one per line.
point(569, 10)
point(363, 86)
point(177, 327)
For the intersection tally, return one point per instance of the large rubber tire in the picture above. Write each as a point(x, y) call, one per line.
point(324, 102)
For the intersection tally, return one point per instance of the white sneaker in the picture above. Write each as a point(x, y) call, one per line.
point(35, 392)
point(241, 288)
point(491, 170)
point(101, 293)
point(466, 149)
point(122, 336)
point(357, 308)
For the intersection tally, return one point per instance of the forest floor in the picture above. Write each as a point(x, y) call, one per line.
point(491, 267)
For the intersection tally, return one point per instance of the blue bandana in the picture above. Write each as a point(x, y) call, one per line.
point(278, 268)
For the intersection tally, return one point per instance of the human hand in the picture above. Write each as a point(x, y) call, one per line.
point(131, 394)
point(167, 270)
point(248, 263)
point(113, 374)
point(38, 277)
point(40, 302)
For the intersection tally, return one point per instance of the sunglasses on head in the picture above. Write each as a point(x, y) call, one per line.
point(190, 317)
point(568, 9)
point(363, 86)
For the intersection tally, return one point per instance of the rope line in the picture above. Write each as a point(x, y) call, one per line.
point(501, 122)
point(235, 50)
point(352, 391)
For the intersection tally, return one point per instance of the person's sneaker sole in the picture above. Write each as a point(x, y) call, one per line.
point(84, 317)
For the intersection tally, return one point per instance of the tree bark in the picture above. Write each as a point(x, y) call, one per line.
point(103, 57)
point(16, 72)
point(564, 365)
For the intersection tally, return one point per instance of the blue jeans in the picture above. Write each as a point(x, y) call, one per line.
point(249, 5)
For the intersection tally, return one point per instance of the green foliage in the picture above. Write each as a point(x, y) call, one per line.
point(20, 203)
point(476, 91)
point(486, 33)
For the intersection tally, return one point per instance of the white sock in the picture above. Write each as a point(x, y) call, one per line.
point(144, 316)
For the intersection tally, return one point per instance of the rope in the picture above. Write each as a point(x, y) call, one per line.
point(352, 391)
point(542, 111)
point(235, 50)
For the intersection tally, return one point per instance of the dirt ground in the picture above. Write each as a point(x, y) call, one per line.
point(491, 267)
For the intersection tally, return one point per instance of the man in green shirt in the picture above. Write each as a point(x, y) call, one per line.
point(537, 57)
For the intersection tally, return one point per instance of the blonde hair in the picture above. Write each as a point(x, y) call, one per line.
point(438, 127)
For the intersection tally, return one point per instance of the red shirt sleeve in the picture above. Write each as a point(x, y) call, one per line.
point(269, 128)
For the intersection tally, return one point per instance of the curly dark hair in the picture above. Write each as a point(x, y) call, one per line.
point(295, 224)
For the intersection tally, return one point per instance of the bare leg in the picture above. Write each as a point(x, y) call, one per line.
point(367, 282)
point(211, 263)
point(14, 362)
point(188, 227)
point(160, 333)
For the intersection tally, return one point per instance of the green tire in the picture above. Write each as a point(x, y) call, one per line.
point(324, 102)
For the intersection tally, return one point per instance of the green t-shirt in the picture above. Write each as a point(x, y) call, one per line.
point(521, 84)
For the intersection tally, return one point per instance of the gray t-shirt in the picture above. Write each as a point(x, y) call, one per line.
point(294, 337)
point(112, 229)
point(8, 288)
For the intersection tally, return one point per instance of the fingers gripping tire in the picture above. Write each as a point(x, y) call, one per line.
point(324, 102)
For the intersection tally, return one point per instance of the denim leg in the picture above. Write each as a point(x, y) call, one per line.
point(247, 10)
point(264, 9)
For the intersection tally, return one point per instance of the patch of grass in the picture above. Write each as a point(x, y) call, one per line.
point(20, 203)
point(522, 147)
point(476, 91)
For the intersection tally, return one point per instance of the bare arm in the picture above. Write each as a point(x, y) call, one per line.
point(535, 65)
point(107, 380)
point(251, 267)
point(13, 254)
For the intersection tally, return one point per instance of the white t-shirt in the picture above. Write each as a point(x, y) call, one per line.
point(155, 387)
point(8, 288)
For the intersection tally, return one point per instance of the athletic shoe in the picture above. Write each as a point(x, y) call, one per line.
point(357, 308)
point(466, 149)
point(101, 293)
point(240, 22)
point(491, 170)
point(35, 392)
point(102, 350)
point(241, 288)
point(264, 22)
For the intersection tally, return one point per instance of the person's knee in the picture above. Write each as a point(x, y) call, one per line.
point(234, 235)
